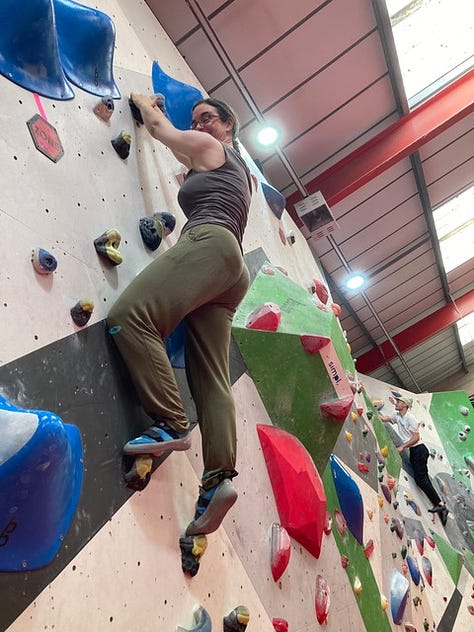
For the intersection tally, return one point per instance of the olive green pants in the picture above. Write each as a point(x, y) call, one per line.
point(201, 279)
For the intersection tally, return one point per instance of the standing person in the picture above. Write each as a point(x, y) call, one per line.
point(408, 431)
point(201, 279)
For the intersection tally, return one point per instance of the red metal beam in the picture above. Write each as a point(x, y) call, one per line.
point(417, 333)
point(393, 144)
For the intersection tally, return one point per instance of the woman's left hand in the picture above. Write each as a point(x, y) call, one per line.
point(142, 100)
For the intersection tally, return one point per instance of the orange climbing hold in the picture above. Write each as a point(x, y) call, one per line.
point(265, 317)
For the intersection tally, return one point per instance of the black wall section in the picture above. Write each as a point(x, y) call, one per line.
point(83, 379)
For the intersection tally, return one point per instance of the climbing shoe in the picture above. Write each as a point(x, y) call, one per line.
point(211, 507)
point(158, 439)
point(443, 516)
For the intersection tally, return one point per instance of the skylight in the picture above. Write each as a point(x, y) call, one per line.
point(434, 43)
point(454, 223)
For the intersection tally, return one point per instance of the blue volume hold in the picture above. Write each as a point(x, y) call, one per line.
point(179, 97)
point(350, 498)
point(274, 198)
point(40, 484)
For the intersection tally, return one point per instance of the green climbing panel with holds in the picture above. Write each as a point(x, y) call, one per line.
point(292, 382)
point(452, 558)
point(445, 411)
point(358, 567)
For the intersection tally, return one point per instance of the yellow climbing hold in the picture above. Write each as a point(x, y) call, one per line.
point(357, 586)
point(348, 436)
point(354, 416)
point(384, 602)
point(384, 451)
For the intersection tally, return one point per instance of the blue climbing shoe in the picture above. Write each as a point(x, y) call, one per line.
point(211, 508)
point(158, 439)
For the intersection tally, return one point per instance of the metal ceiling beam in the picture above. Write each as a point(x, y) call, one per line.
point(398, 141)
point(428, 212)
point(419, 332)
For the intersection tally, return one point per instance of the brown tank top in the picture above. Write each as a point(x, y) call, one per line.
point(218, 196)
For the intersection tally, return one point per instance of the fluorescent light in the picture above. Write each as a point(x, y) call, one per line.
point(267, 136)
point(355, 281)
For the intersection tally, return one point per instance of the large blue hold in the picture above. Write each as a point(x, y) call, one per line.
point(399, 589)
point(350, 498)
point(414, 570)
point(29, 54)
point(86, 39)
point(41, 473)
point(274, 198)
point(179, 97)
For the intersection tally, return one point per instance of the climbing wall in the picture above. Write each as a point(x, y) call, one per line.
point(373, 554)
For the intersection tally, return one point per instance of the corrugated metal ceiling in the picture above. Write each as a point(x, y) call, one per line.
point(326, 73)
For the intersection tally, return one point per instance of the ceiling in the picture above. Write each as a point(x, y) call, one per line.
point(327, 75)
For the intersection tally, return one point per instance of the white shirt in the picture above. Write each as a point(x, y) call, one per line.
point(407, 426)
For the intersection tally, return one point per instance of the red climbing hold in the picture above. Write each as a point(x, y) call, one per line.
point(363, 467)
point(321, 291)
point(322, 599)
point(338, 410)
point(297, 486)
point(369, 548)
point(281, 549)
point(266, 317)
point(313, 343)
point(280, 625)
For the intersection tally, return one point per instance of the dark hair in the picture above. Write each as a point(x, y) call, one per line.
point(225, 113)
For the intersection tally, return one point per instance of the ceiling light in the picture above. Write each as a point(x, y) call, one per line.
point(355, 281)
point(267, 135)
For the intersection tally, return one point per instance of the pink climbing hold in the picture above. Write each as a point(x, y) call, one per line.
point(299, 492)
point(312, 343)
point(265, 317)
point(341, 523)
point(322, 599)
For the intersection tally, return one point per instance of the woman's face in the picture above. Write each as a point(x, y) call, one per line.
point(206, 119)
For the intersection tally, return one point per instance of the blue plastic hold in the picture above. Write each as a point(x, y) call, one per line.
point(202, 622)
point(175, 346)
point(414, 569)
point(399, 589)
point(350, 498)
point(40, 484)
point(179, 97)
point(86, 39)
point(274, 198)
point(29, 53)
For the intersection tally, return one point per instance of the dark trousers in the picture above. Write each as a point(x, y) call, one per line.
point(419, 460)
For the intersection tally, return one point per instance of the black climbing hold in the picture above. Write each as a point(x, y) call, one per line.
point(237, 620)
point(82, 311)
point(122, 143)
point(192, 548)
point(107, 246)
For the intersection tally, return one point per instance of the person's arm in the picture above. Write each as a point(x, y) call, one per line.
point(386, 419)
point(192, 148)
point(413, 441)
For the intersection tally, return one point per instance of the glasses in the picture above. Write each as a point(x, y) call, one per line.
point(204, 120)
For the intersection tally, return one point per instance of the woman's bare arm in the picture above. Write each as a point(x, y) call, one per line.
point(194, 149)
